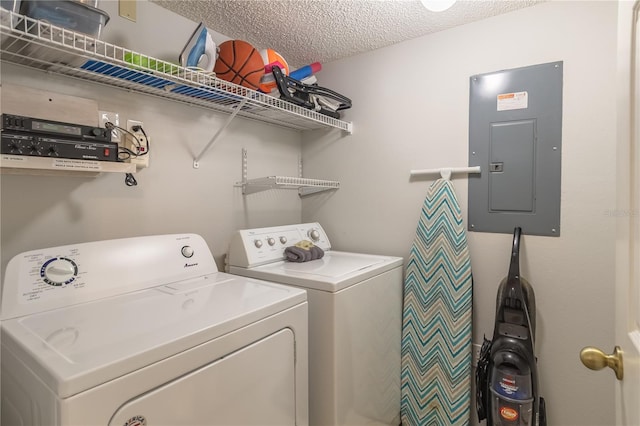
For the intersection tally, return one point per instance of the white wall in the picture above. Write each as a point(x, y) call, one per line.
point(410, 111)
point(171, 195)
point(157, 32)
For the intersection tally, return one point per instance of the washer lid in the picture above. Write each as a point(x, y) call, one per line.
point(335, 271)
point(79, 347)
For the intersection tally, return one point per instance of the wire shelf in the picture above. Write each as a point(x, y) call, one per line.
point(36, 44)
point(304, 186)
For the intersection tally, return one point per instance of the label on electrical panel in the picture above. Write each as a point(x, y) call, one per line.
point(515, 100)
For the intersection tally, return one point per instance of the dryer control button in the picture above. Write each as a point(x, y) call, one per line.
point(314, 234)
point(271, 241)
point(187, 251)
point(258, 243)
point(283, 240)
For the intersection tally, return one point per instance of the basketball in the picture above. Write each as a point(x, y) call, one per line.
point(271, 57)
point(239, 63)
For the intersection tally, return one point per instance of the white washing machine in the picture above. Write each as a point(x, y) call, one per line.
point(355, 321)
point(146, 331)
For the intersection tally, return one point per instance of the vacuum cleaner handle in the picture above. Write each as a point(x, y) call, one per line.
point(516, 294)
point(514, 267)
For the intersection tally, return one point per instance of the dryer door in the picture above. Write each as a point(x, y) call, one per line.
point(252, 386)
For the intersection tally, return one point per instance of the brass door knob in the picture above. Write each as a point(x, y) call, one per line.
point(595, 359)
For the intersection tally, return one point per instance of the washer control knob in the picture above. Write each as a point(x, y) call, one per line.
point(314, 234)
point(59, 271)
point(187, 251)
point(271, 241)
point(258, 243)
point(283, 240)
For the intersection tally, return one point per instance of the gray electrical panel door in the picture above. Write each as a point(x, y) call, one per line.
point(515, 136)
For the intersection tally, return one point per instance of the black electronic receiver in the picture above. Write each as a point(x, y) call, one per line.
point(45, 138)
point(35, 125)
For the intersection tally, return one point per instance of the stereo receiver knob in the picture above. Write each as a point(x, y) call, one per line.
point(52, 151)
point(15, 147)
point(35, 149)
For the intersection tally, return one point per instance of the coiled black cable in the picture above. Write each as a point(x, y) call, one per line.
point(482, 380)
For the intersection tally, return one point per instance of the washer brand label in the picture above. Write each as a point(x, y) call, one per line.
point(136, 421)
point(188, 265)
point(509, 414)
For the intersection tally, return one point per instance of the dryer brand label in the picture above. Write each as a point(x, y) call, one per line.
point(136, 421)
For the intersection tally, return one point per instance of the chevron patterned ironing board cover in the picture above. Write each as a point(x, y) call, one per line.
point(436, 327)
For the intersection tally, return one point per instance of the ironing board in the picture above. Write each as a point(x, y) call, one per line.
point(436, 326)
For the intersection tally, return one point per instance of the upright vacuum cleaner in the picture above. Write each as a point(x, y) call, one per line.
point(507, 375)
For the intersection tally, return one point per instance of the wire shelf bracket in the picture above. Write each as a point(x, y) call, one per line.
point(196, 161)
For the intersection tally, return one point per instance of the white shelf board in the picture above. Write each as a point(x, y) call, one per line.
point(24, 164)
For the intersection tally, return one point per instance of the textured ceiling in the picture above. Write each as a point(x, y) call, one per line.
point(306, 31)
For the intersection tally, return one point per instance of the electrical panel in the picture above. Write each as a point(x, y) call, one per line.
point(515, 136)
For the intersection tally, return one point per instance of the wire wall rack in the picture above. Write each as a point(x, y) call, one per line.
point(37, 44)
point(305, 186)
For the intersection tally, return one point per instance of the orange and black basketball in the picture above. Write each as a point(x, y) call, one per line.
point(240, 63)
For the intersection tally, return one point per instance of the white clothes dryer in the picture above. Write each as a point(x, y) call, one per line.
point(146, 331)
point(355, 321)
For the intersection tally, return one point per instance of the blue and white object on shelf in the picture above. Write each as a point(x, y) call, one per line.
point(200, 50)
